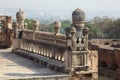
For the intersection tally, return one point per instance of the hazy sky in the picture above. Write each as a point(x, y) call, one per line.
point(92, 5)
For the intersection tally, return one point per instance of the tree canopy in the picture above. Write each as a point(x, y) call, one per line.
point(100, 27)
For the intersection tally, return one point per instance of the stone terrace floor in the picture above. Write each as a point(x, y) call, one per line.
point(13, 66)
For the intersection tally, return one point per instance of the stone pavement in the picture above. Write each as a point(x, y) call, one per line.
point(13, 66)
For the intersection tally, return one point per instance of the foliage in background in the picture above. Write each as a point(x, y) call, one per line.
point(100, 27)
point(104, 27)
point(65, 24)
point(114, 30)
point(29, 23)
point(94, 31)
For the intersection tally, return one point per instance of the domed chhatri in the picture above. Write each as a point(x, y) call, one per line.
point(35, 23)
point(78, 16)
point(20, 15)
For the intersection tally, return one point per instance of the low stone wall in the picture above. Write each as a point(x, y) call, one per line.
point(109, 59)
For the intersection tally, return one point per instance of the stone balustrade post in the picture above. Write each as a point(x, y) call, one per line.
point(57, 26)
point(20, 18)
point(15, 35)
point(35, 28)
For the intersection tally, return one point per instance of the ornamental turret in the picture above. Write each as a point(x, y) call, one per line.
point(20, 16)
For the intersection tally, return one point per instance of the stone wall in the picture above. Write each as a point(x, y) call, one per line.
point(109, 58)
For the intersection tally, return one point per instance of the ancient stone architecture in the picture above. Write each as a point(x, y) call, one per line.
point(57, 26)
point(5, 31)
point(35, 25)
point(20, 16)
point(61, 52)
point(18, 28)
point(109, 54)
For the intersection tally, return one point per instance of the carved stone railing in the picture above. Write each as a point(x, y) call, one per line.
point(44, 43)
point(67, 51)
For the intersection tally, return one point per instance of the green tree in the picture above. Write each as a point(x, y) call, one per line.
point(65, 24)
point(114, 30)
point(29, 23)
point(94, 31)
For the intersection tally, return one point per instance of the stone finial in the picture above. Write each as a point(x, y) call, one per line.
point(78, 16)
point(57, 26)
point(20, 15)
point(35, 25)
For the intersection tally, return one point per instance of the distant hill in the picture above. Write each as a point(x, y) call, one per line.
point(49, 16)
point(42, 15)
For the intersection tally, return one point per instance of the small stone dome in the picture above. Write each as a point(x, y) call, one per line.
point(36, 23)
point(78, 16)
point(57, 24)
point(20, 15)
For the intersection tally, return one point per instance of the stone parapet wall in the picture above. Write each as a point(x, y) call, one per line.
point(117, 56)
point(102, 41)
point(45, 37)
point(110, 42)
point(109, 59)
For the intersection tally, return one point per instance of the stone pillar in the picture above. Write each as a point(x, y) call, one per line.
point(78, 18)
point(57, 26)
point(79, 48)
point(35, 28)
point(15, 34)
point(20, 17)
